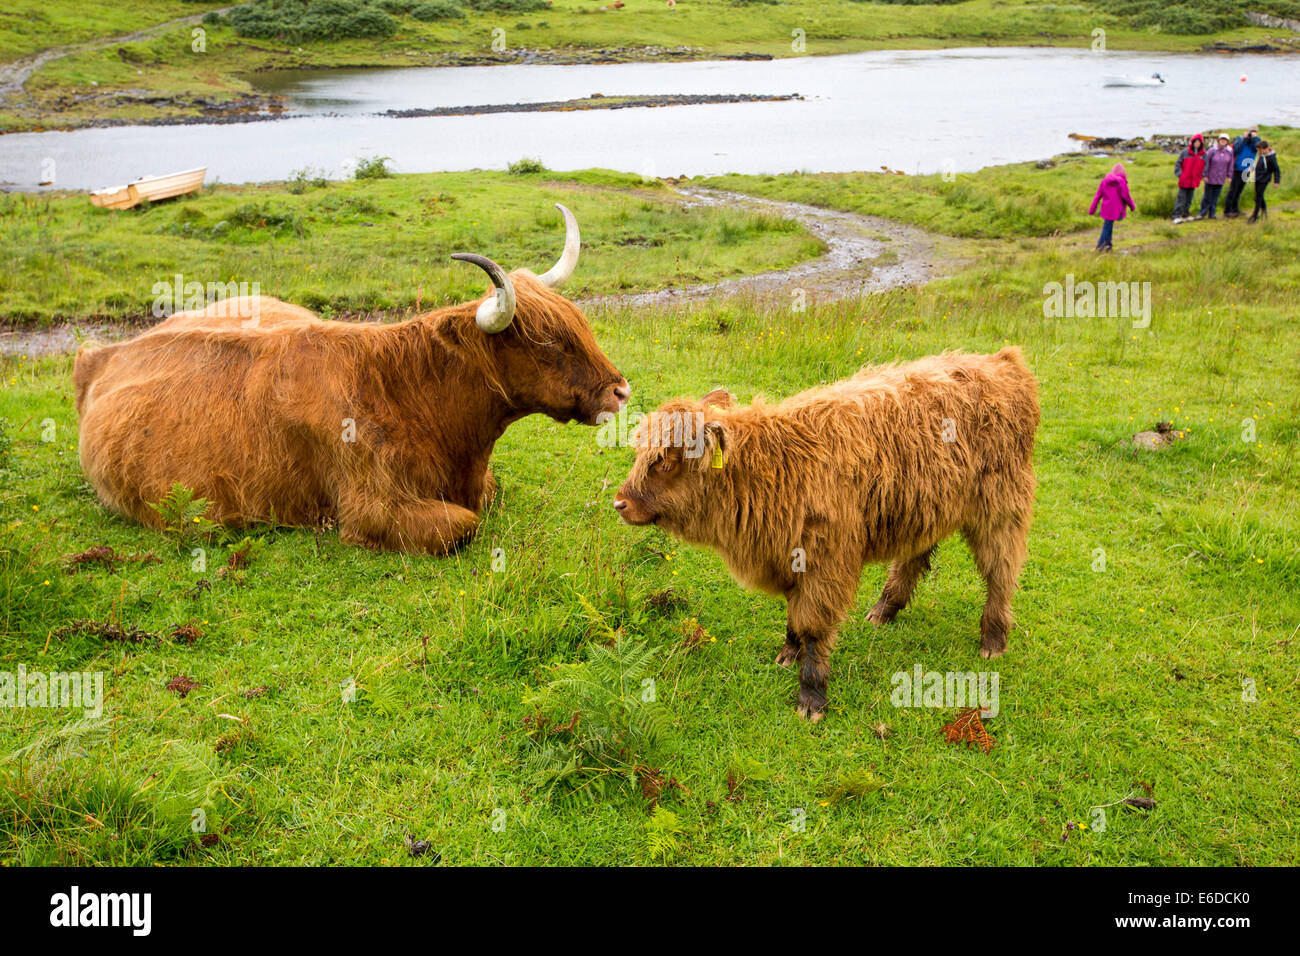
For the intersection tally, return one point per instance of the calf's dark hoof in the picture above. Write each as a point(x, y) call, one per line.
point(787, 655)
point(883, 612)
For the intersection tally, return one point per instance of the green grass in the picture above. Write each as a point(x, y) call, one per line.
point(27, 26)
point(1128, 675)
point(167, 64)
point(1020, 200)
point(373, 244)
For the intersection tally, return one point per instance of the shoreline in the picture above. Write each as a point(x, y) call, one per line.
point(253, 106)
point(250, 111)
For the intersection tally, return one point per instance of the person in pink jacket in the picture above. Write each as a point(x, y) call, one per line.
point(1115, 201)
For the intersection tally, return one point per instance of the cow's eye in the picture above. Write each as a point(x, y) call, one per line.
point(666, 466)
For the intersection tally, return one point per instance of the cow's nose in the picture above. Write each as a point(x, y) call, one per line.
point(623, 391)
point(620, 504)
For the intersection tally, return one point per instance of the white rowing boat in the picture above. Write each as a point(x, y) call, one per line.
point(150, 187)
point(1155, 79)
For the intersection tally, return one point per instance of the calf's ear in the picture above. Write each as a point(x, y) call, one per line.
point(715, 437)
point(718, 398)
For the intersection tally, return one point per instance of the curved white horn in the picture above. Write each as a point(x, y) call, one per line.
point(561, 271)
point(496, 313)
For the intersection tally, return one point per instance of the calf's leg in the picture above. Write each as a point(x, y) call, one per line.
point(899, 585)
point(999, 552)
point(791, 650)
point(815, 607)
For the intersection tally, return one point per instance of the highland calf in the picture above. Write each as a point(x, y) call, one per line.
point(797, 497)
point(275, 415)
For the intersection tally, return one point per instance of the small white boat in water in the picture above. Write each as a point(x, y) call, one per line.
point(151, 188)
point(1155, 79)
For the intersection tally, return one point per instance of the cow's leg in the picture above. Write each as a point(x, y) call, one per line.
point(489, 489)
point(999, 554)
point(429, 526)
point(899, 585)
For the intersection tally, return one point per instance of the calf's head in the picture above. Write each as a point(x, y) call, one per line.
point(680, 449)
point(536, 345)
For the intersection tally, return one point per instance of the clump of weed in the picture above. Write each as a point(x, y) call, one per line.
point(73, 790)
point(525, 167)
point(428, 12)
point(108, 631)
point(661, 832)
point(853, 785)
point(300, 180)
point(184, 515)
point(374, 167)
point(598, 727)
point(106, 557)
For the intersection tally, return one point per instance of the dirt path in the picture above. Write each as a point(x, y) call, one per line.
point(864, 254)
point(13, 75)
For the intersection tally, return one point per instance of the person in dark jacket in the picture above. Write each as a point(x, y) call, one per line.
point(1267, 173)
point(1218, 168)
point(1189, 169)
point(1243, 153)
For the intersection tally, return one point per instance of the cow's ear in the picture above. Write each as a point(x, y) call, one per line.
point(718, 398)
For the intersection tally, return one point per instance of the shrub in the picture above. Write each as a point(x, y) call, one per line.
point(526, 167)
point(507, 6)
point(283, 222)
point(306, 178)
point(376, 167)
point(439, 10)
point(297, 20)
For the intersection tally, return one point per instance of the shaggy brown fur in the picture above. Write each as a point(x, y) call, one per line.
point(880, 467)
point(254, 417)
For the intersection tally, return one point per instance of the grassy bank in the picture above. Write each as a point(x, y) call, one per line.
point(1019, 200)
point(1156, 641)
point(371, 245)
point(164, 76)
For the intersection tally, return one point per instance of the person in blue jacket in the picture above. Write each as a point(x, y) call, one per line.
point(1243, 150)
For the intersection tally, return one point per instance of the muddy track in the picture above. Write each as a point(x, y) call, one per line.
point(864, 254)
point(13, 75)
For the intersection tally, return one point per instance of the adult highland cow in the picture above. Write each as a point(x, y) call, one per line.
point(275, 415)
point(797, 497)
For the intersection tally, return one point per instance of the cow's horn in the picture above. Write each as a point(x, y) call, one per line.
point(495, 314)
point(561, 271)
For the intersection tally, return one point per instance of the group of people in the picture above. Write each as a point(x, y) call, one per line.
point(1236, 162)
point(1248, 159)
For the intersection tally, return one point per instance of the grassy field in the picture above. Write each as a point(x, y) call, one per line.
point(164, 76)
point(346, 700)
point(372, 244)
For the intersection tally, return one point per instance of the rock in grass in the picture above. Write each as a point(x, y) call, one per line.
point(1158, 440)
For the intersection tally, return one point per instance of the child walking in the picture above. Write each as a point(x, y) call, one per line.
point(1115, 201)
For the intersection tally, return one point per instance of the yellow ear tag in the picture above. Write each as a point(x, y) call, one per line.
point(719, 459)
